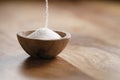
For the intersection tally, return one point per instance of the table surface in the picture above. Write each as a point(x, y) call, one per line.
point(92, 54)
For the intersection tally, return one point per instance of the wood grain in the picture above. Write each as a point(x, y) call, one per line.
point(92, 54)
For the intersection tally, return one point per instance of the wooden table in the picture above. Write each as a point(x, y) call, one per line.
point(92, 54)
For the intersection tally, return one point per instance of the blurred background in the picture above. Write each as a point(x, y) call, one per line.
point(79, 17)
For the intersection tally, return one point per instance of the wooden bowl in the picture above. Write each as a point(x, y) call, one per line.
point(43, 48)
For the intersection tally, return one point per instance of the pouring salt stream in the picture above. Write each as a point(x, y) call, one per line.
point(44, 33)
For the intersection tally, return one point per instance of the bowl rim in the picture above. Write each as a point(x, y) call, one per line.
point(67, 36)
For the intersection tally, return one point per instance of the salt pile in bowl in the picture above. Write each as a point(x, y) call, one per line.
point(44, 34)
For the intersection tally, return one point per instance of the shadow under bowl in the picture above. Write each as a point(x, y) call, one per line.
point(45, 49)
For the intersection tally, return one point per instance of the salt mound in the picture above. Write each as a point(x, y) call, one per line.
point(44, 34)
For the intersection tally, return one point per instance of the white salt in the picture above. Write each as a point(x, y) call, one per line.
point(44, 33)
point(47, 14)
